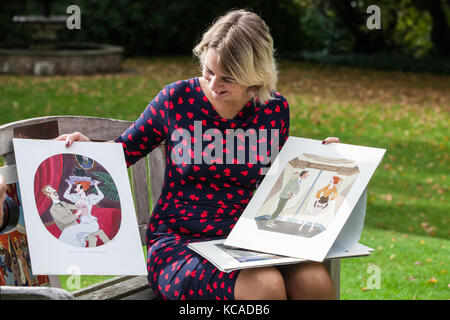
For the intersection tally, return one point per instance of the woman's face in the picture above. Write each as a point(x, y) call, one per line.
point(79, 189)
point(222, 86)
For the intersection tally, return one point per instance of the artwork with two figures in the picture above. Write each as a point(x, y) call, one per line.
point(77, 200)
point(307, 195)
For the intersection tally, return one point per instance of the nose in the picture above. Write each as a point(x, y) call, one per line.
point(214, 83)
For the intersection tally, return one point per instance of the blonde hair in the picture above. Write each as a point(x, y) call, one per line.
point(244, 45)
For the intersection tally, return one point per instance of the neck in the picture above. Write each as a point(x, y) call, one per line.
point(227, 111)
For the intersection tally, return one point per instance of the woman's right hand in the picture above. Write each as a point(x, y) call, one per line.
point(70, 138)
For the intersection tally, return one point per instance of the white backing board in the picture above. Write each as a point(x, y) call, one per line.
point(307, 228)
point(108, 246)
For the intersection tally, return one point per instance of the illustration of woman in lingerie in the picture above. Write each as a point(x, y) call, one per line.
point(88, 229)
point(323, 196)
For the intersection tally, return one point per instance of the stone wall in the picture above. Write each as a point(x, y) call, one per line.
point(106, 59)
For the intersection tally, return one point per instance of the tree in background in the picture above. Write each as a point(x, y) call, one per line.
point(440, 31)
point(417, 28)
point(414, 27)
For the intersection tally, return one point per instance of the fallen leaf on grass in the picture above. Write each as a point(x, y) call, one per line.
point(429, 229)
point(432, 280)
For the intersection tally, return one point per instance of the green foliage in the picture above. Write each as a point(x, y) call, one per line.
point(156, 27)
point(107, 185)
point(413, 30)
point(377, 61)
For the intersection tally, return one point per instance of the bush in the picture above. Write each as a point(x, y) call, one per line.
point(376, 61)
point(155, 27)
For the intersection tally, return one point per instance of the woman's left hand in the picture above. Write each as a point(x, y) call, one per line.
point(330, 140)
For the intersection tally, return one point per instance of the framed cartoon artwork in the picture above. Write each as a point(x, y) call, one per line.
point(306, 198)
point(15, 263)
point(78, 208)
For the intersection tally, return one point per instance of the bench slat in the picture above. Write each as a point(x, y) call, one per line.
point(102, 129)
point(34, 293)
point(147, 294)
point(114, 289)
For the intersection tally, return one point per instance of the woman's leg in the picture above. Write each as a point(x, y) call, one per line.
point(260, 284)
point(308, 280)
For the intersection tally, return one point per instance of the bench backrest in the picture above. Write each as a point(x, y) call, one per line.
point(147, 172)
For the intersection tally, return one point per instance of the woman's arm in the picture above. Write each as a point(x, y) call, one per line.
point(148, 130)
point(94, 199)
point(145, 134)
point(70, 196)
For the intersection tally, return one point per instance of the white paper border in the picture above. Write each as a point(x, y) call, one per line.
point(123, 255)
point(246, 234)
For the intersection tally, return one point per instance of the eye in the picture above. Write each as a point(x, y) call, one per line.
point(207, 70)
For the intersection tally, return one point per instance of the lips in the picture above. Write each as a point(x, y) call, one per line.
point(219, 92)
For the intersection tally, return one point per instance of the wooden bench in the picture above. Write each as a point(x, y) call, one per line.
point(147, 172)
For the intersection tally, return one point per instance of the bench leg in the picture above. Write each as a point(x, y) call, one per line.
point(334, 268)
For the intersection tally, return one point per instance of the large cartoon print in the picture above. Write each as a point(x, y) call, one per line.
point(77, 200)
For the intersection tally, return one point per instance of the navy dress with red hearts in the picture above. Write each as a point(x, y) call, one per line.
point(207, 182)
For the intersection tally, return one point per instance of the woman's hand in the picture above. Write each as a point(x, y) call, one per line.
point(70, 138)
point(330, 140)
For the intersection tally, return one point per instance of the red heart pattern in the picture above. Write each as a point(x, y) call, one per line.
point(199, 201)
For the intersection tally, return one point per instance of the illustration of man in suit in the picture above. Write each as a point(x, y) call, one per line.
point(60, 211)
point(291, 188)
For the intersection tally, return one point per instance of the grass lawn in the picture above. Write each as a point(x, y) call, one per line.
point(405, 113)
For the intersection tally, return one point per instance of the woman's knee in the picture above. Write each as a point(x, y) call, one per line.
point(260, 284)
point(309, 281)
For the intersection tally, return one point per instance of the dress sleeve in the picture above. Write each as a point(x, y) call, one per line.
point(147, 132)
point(284, 121)
point(280, 123)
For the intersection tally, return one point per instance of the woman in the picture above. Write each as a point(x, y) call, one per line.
point(206, 187)
point(323, 209)
point(79, 234)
